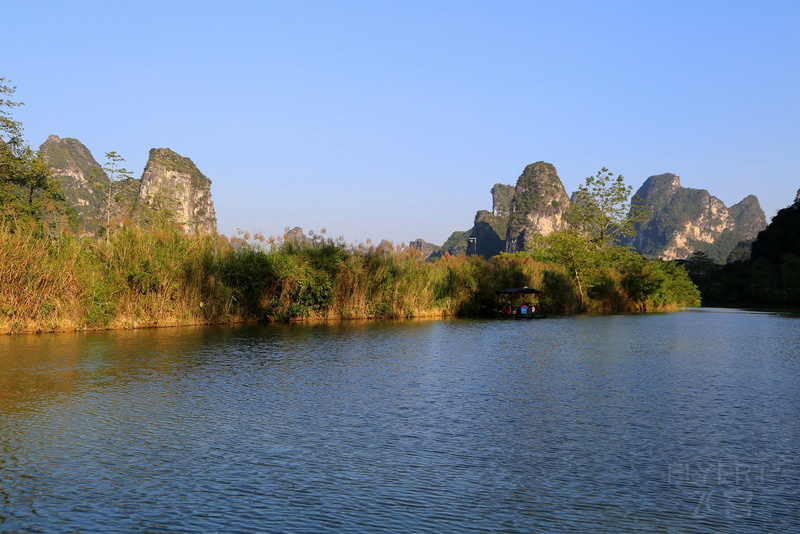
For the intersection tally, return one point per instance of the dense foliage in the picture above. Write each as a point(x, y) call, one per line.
point(603, 271)
point(27, 188)
point(770, 277)
point(600, 209)
point(457, 242)
point(160, 276)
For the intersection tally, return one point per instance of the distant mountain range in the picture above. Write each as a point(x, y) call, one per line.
point(680, 220)
point(171, 187)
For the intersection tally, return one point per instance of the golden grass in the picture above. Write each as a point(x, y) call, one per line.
point(161, 277)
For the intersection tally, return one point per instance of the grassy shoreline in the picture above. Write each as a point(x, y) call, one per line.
point(55, 282)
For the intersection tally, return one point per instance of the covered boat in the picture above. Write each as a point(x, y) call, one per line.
point(519, 303)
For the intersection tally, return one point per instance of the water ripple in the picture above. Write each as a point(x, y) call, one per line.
point(602, 424)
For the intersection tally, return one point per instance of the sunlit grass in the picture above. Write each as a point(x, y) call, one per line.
point(160, 276)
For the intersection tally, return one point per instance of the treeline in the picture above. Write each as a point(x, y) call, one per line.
point(160, 276)
point(769, 278)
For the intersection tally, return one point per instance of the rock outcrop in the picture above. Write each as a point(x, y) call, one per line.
point(173, 182)
point(81, 178)
point(487, 236)
point(537, 207)
point(428, 249)
point(502, 195)
point(456, 243)
point(294, 235)
point(171, 187)
point(489, 231)
point(679, 221)
point(682, 220)
point(749, 217)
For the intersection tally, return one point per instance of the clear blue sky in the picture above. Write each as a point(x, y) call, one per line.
point(388, 119)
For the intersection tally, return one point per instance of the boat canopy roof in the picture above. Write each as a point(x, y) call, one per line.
point(520, 290)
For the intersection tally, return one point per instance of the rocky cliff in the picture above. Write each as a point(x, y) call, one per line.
point(679, 222)
point(173, 182)
point(502, 195)
point(748, 216)
point(80, 176)
point(769, 276)
point(488, 232)
point(537, 207)
point(428, 249)
point(682, 220)
point(171, 187)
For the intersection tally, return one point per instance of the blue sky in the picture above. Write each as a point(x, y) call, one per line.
point(378, 119)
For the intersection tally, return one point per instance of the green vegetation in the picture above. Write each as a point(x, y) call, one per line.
point(728, 240)
point(81, 179)
point(496, 224)
point(502, 196)
point(161, 276)
point(770, 277)
point(609, 277)
point(600, 210)
point(114, 174)
point(8, 126)
point(59, 155)
point(173, 161)
point(457, 242)
point(27, 188)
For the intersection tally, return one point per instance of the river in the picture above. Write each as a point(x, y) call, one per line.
point(678, 422)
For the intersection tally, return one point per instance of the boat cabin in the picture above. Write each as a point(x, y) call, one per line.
point(519, 303)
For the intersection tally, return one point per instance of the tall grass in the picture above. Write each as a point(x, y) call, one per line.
point(160, 276)
point(41, 279)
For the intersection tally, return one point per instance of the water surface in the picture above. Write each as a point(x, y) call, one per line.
point(683, 422)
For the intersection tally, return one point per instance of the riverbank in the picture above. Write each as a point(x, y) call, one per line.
point(160, 277)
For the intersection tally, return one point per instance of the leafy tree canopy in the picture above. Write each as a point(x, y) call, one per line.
point(9, 128)
point(27, 187)
point(600, 209)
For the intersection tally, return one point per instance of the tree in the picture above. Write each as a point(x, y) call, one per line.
point(10, 137)
point(27, 186)
point(34, 175)
point(114, 174)
point(599, 217)
point(600, 209)
point(8, 126)
point(574, 251)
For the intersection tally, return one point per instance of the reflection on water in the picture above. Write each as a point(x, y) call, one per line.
point(683, 422)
